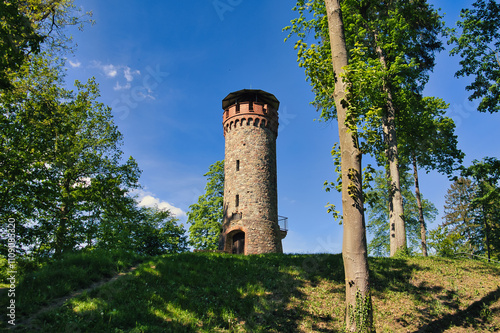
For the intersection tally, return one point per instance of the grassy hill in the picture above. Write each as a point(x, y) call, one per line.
point(213, 292)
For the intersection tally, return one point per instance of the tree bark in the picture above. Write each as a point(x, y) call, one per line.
point(487, 232)
point(62, 228)
point(354, 247)
point(423, 229)
point(61, 231)
point(396, 212)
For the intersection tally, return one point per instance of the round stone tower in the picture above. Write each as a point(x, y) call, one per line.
point(250, 122)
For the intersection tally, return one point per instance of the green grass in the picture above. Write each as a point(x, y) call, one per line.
point(40, 284)
point(213, 292)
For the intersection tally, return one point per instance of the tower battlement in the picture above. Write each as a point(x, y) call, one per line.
point(250, 107)
point(250, 114)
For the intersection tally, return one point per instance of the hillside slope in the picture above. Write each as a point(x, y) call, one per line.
point(212, 292)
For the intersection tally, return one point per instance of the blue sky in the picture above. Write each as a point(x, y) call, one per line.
point(165, 66)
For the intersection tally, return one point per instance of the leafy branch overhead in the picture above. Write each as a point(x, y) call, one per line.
point(477, 42)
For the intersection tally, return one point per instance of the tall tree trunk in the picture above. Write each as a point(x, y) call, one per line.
point(423, 229)
point(396, 212)
point(62, 228)
point(487, 232)
point(61, 231)
point(354, 247)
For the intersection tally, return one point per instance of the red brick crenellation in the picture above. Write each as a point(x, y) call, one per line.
point(259, 115)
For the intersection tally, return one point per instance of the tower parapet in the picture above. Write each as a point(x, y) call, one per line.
point(250, 107)
point(250, 123)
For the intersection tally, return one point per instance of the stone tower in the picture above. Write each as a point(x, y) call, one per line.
point(250, 122)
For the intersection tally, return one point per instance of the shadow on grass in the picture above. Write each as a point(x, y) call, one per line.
point(213, 292)
point(435, 306)
point(468, 317)
point(205, 292)
point(390, 274)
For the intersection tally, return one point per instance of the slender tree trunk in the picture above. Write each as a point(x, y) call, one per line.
point(354, 248)
point(423, 229)
point(61, 231)
point(62, 228)
point(396, 212)
point(487, 232)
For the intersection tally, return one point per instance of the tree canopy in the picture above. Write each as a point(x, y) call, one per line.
point(477, 42)
point(63, 176)
point(206, 215)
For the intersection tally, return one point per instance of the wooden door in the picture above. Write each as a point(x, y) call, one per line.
point(239, 243)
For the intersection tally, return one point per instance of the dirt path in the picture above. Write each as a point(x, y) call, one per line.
point(27, 322)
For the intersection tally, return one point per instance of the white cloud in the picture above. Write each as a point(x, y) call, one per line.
point(110, 70)
point(120, 87)
point(129, 74)
point(74, 64)
point(146, 199)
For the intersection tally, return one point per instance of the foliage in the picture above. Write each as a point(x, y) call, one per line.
point(17, 39)
point(378, 214)
point(157, 233)
point(391, 49)
point(143, 230)
point(459, 220)
point(206, 215)
point(472, 209)
point(31, 26)
point(446, 242)
point(478, 44)
point(428, 136)
point(362, 313)
point(64, 179)
point(61, 162)
point(486, 175)
point(409, 45)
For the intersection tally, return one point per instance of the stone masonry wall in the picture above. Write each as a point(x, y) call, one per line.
point(250, 193)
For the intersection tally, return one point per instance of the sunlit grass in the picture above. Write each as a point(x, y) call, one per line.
point(213, 292)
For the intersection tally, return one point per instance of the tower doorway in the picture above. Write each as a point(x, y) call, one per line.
point(238, 243)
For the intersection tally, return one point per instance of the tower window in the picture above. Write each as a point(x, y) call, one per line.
point(237, 200)
point(237, 107)
point(250, 106)
point(237, 165)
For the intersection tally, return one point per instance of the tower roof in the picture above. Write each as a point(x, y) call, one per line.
point(255, 95)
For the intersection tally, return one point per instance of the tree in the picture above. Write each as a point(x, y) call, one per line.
point(62, 174)
point(377, 199)
point(144, 230)
point(18, 38)
point(354, 247)
point(486, 175)
point(478, 44)
point(206, 215)
point(60, 161)
point(31, 26)
point(472, 209)
point(332, 50)
point(447, 243)
point(391, 49)
point(428, 140)
point(459, 218)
